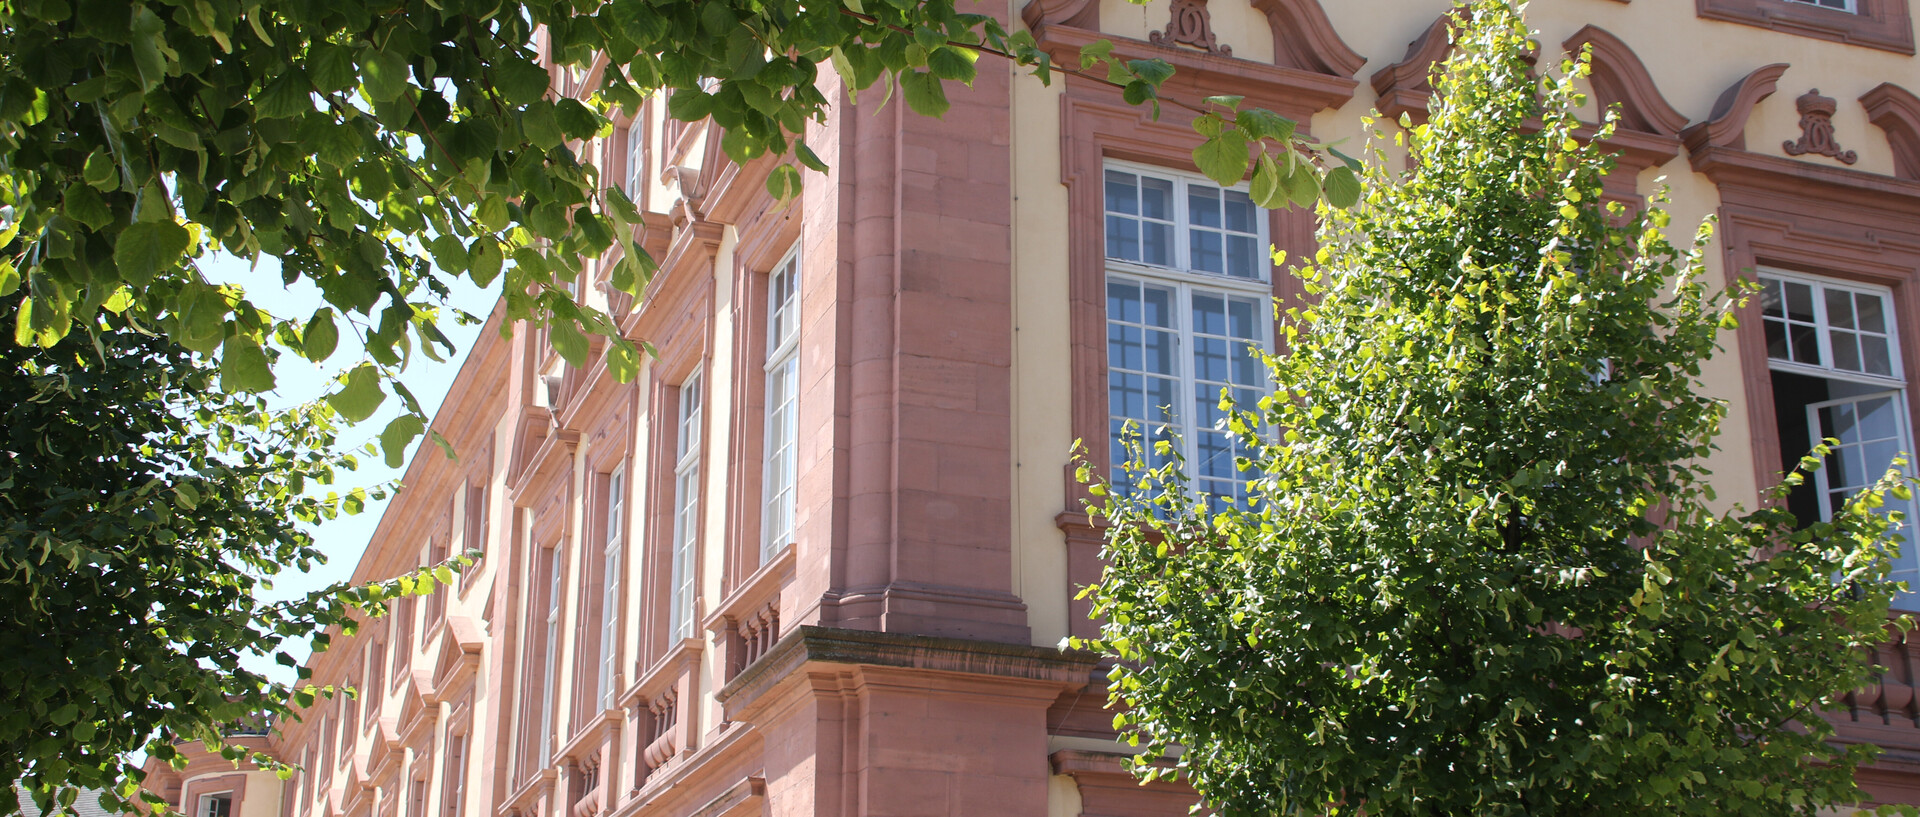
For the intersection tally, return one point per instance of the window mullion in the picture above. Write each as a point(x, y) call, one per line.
point(1821, 327)
point(1181, 248)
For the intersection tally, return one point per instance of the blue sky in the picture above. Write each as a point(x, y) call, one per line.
point(344, 539)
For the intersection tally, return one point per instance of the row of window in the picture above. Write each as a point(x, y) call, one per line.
point(1187, 316)
point(687, 438)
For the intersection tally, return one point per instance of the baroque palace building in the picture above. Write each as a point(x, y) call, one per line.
point(819, 557)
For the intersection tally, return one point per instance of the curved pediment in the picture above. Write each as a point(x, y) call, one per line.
point(1620, 78)
point(1304, 39)
point(1727, 126)
point(1896, 111)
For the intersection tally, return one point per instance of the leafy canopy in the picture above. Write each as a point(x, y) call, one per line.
point(380, 148)
point(1479, 574)
point(140, 508)
point(377, 150)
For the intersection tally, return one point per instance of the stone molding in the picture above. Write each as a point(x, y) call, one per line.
point(1883, 24)
point(1065, 670)
point(1405, 87)
point(1620, 78)
point(1726, 126)
point(1896, 111)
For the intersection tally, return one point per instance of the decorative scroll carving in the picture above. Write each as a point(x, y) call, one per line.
point(1816, 129)
point(1727, 125)
point(1192, 25)
point(1896, 110)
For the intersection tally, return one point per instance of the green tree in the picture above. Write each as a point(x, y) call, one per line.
point(1478, 573)
point(378, 149)
point(140, 508)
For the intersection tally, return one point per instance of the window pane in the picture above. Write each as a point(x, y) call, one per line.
point(1159, 353)
point(1772, 303)
point(1156, 244)
point(1805, 340)
point(1124, 349)
point(1210, 359)
point(1247, 370)
point(1203, 205)
point(1777, 340)
point(1877, 420)
point(1240, 212)
point(1799, 302)
point(1876, 356)
point(1872, 318)
point(1243, 257)
point(1209, 314)
point(1840, 308)
point(1158, 311)
point(1207, 253)
point(1123, 301)
point(1122, 195)
point(1123, 238)
point(1846, 351)
point(1156, 198)
point(1240, 317)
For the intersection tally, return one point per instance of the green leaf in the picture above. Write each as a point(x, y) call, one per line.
point(487, 261)
point(568, 341)
point(541, 126)
point(1223, 158)
point(784, 183)
point(83, 204)
point(1259, 123)
point(320, 337)
point(384, 74)
point(623, 361)
point(1094, 52)
point(148, 248)
point(522, 82)
point(361, 394)
point(949, 62)
point(923, 93)
point(148, 38)
point(689, 105)
point(1269, 184)
point(244, 367)
point(1342, 187)
point(101, 172)
point(397, 436)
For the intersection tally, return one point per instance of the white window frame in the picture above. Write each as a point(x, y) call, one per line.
point(610, 570)
point(1182, 238)
point(780, 467)
point(1848, 6)
point(1908, 567)
point(207, 800)
point(635, 148)
point(688, 441)
point(1825, 341)
point(549, 658)
point(1186, 283)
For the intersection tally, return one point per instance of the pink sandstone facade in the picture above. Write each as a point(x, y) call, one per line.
point(818, 558)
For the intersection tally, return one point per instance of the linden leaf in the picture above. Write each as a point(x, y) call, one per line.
point(361, 395)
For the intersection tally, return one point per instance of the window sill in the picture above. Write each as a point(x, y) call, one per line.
point(1886, 25)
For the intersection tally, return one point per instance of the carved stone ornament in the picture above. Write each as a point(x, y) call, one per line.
point(1816, 129)
point(1191, 25)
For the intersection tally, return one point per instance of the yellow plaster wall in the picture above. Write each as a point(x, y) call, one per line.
point(1691, 60)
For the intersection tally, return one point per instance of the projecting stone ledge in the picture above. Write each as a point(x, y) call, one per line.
point(1064, 670)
